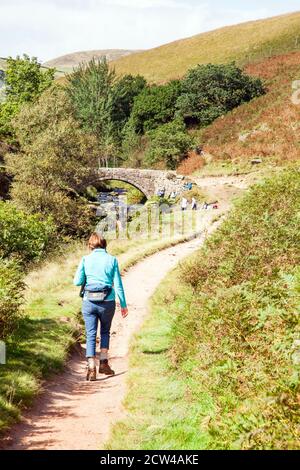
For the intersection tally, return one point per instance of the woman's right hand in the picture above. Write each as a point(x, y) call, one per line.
point(124, 312)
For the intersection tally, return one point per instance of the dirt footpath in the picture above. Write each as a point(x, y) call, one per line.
point(75, 414)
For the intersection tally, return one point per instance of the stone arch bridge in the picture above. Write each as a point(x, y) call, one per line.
point(149, 182)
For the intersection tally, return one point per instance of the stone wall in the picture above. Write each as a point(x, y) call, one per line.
point(147, 181)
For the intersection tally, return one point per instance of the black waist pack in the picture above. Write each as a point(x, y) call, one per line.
point(98, 295)
point(81, 293)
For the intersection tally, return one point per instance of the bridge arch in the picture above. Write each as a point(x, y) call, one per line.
point(125, 180)
point(148, 181)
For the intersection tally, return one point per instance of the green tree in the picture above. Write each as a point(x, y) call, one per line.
point(209, 91)
point(124, 92)
point(25, 81)
point(55, 163)
point(103, 103)
point(156, 105)
point(89, 88)
point(168, 144)
point(133, 146)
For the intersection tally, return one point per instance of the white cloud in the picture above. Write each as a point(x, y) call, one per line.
point(146, 3)
point(51, 28)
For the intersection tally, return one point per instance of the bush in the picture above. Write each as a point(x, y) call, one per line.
point(124, 92)
point(154, 106)
point(4, 178)
point(209, 91)
point(7, 112)
point(21, 235)
point(11, 295)
point(239, 328)
point(168, 144)
point(25, 81)
point(191, 164)
point(133, 146)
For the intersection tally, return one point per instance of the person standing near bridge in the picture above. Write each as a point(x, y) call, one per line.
point(184, 203)
point(99, 276)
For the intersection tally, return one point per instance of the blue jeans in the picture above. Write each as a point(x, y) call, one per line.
point(93, 312)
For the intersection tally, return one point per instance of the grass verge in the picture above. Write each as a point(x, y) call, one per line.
point(161, 412)
point(50, 323)
point(217, 363)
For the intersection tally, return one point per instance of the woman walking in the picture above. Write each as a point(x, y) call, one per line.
point(99, 275)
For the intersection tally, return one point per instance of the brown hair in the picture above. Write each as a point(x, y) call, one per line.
point(97, 241)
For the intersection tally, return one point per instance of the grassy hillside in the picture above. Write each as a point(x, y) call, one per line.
point(267, 127)
point(221, 346)
point(243, 43)
point(67, 62)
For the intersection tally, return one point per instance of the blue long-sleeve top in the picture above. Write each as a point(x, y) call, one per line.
point(101, 269)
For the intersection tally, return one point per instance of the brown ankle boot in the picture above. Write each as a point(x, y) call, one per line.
point(105, 369)
point(91, 375)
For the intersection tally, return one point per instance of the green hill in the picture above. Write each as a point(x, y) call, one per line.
point(243, 43)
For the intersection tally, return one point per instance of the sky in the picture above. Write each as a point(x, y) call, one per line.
point(50, 28)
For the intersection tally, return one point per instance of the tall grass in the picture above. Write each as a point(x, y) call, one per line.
point(51, 321)
point(217, 365)
point(238, 333)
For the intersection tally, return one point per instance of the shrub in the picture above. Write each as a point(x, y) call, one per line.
point(22, 235)
point(209, 91)
point(4, 178)
point(192, 163)
point(124, 93)
point(168, 144)
point(7, 112)
point(154, 106)
point(11, 295)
